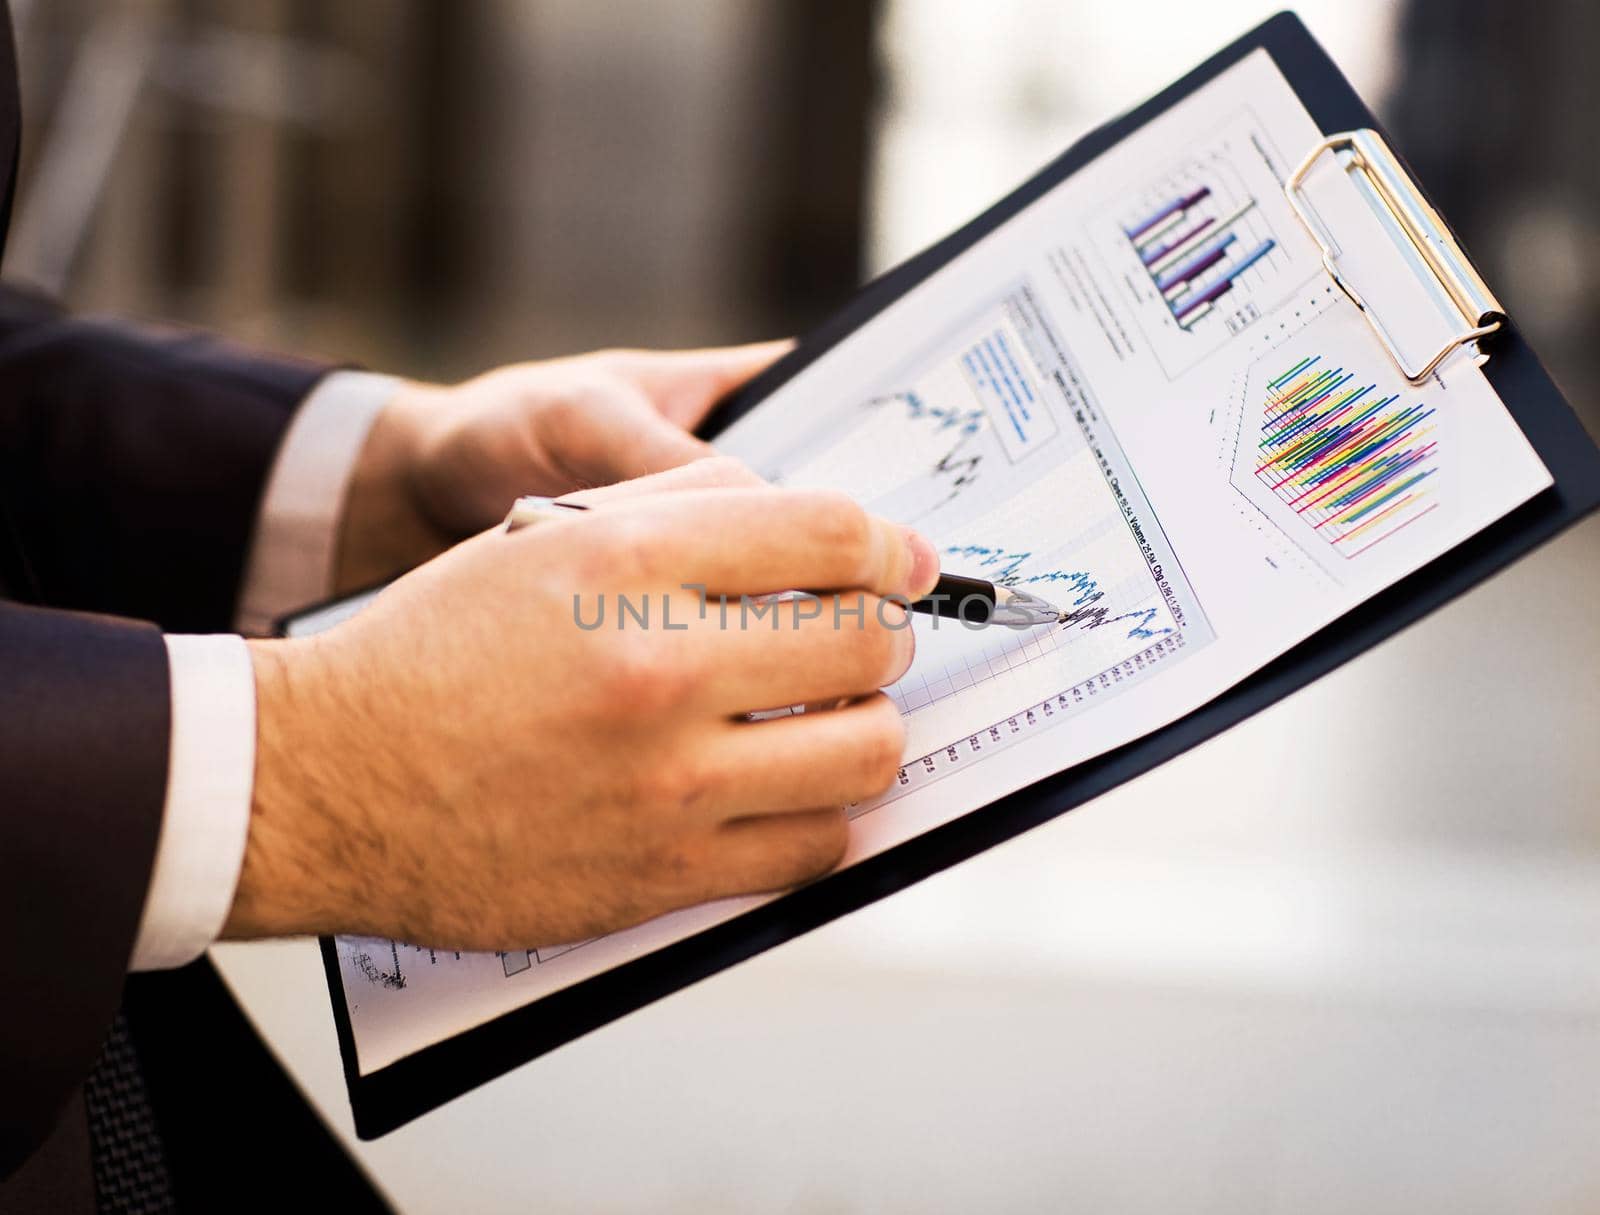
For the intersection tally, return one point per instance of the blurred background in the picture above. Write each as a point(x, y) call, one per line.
point(434, 186)
point(1359, 973)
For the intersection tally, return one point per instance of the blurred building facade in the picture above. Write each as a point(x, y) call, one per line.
point(433, 186)
point(1498, 107)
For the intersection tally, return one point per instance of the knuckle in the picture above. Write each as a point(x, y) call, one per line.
point(729, 472)
point(841, 525)
point(656, 685)
point(567, 413)
point(685, 785)
point(569, 406)
point(639, 676)
point(630, 547)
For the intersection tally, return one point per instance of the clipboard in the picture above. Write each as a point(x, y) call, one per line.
point(387, 1098)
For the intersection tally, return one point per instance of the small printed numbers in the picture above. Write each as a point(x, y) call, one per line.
point(935, 763)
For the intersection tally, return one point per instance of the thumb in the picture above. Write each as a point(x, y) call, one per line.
point(655, 444)
point(715, 472)
point(685, 384)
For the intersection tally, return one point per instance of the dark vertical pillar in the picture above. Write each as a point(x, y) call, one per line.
point(1497, 106)
point(822, 107)
point(436, 168)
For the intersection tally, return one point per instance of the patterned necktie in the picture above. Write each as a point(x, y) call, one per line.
point(130, 1171)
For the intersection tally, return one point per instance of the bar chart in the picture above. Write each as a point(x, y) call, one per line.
point(1352, 461)
point(1203, 251)
point(1192, 251)
point(1335, 448)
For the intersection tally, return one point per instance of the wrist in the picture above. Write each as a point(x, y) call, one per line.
point(384, 530)
point(295, 878)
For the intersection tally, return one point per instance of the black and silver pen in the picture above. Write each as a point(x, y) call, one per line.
point(974, 601)
point(969, 600)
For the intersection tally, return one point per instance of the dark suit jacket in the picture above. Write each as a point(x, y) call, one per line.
point(131, 466)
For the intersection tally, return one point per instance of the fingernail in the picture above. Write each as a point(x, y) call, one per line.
point(924, 562)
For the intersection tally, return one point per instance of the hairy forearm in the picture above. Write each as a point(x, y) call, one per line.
point(295, 877)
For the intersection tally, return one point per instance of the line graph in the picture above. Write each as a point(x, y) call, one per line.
point(958, 468)
point(915, 450)
point(1081, 594)
point(964, 422)
point(1066, 537)
point(988, 442)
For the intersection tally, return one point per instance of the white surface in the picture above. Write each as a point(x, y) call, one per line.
point(1366, 979)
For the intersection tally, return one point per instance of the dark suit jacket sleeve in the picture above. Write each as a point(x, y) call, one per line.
point(132, 462)
point(83, 768)
point(131, 466)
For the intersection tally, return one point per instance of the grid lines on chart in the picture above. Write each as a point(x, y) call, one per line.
point(973, 668)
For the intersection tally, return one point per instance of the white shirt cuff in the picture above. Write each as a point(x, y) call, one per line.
point(205, 822)
point(206, 819)
point(292, 555)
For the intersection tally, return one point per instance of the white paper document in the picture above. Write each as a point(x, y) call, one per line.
point(1142, 398)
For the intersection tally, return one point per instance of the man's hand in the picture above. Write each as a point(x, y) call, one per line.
point(444, 462)
point(464, 765)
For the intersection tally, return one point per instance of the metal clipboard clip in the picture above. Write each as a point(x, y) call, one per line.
point(1367, 153)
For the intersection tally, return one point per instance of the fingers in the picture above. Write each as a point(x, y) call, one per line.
point(815, 759)
point(602, 428)
point(815, 649)
point(752, 856)
point(758, 541)
point(685, 384)
point(655, 443)
point(787, 764)
point(707, 472)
